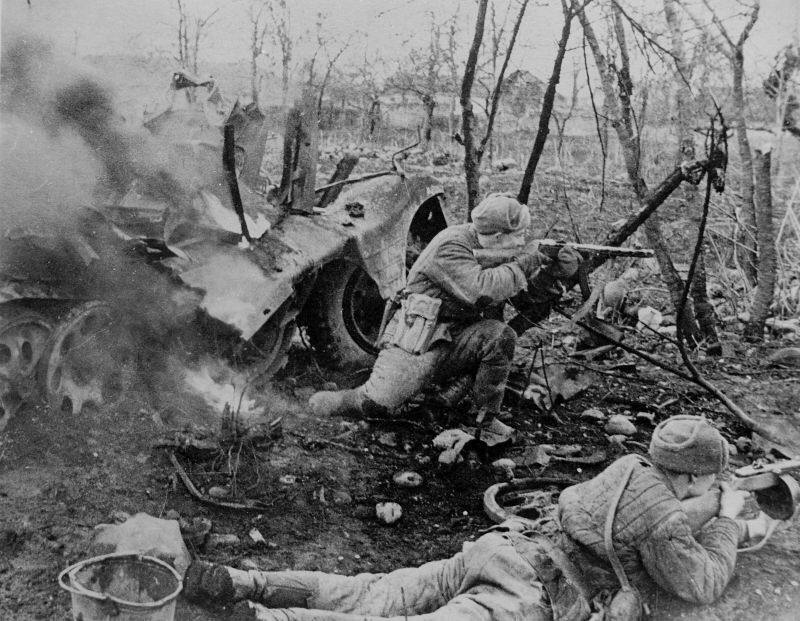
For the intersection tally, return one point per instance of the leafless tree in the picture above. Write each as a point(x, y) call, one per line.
point(191, 30)
point(682, 106)
point(258, 34)
point(474, 150)
point(618, 89)
point(569, 9)
point(562, 118)
point(767, 256)
point(283, 38)
point(425, 73)
point(733, 50)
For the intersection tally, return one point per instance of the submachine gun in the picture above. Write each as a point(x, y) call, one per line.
point(490, 257)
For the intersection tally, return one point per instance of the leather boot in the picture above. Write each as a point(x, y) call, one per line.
point(330, 402)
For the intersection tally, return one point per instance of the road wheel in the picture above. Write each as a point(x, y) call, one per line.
point(85, 361)
point(23, 340)
point(343, 316)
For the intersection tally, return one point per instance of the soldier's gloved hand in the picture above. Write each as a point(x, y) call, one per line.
point(532, 261)
point(566, 263)
point(731, 502)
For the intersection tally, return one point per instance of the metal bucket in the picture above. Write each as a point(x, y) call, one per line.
point(122, 587)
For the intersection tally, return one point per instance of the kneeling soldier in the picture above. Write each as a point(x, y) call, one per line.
point(446, 325)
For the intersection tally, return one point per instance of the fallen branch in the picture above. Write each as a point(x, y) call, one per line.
point(696, 379)
point(246, 505)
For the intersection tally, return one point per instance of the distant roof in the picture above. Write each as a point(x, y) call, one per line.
point(184, 79)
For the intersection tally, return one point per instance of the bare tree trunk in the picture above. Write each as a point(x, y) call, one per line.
point(472, 159)
point(703, 309)
point(620, 113)
point(547, 107)
point(254, 81)
point(747, 248)
point(746, 251)
point(767, 260)
point(428, 106)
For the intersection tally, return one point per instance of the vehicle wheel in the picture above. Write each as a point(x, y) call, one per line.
point(274, 340)
point(23, 340)
point(343, 316)
point(84, 361)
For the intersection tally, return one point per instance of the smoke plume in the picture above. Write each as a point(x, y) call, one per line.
point(64, 148)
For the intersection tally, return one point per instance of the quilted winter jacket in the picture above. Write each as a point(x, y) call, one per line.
point(448, 270)
point(651, 532)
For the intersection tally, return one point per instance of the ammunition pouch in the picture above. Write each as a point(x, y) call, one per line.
point(416, 323)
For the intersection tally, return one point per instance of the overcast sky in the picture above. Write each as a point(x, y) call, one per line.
point(384, 27)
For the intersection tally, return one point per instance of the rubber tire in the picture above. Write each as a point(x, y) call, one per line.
point(325, 323)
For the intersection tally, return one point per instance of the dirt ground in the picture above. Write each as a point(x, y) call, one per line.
point(61, 475)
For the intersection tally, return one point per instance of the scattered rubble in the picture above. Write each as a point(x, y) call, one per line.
point(407, 478)
point(594, 414)
point(388, 512)
point(144, 534)
point(620, 425)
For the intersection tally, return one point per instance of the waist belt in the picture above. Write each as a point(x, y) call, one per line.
point(561, 578)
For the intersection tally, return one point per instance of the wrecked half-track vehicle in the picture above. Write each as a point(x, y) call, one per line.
point(256, 269)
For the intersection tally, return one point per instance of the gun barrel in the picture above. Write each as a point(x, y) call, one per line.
point(755, 482)
point(489, 257)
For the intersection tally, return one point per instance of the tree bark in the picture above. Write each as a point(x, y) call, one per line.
point(547, 107)
point(704, 311)
point(620, 113)
point(747, 248)
point(767, 260)
point(472, 159)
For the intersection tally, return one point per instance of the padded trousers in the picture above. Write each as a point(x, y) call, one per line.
point(489, 580)
point(484, 349)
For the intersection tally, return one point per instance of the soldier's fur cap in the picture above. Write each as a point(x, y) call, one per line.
point(688, 444)
point(498, 213)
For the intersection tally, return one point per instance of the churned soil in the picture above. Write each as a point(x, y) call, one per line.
point(62, 474)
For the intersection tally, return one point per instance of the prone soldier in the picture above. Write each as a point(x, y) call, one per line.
point(632, 522)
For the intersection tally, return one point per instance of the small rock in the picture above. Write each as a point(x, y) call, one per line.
point(407, 478)
point(288, 479)
point(388, 512)
point(504, 467)
point(745, 445)
point(732, 450)
point(172, 515)
point(423, 460)
point(248, 564)
point(650, 317)
point(218, 491)
point(646, 417)
point(143, 534)
point(218, 540)
point(388, 438)
point(594, 414)
point(618, 440)
point(619, 424)
point(341, 497)
point(256, 536)
point(330, 386)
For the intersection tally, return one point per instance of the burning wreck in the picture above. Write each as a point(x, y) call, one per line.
point(181, 234)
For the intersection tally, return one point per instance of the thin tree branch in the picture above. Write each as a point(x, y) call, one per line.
point(499, 84)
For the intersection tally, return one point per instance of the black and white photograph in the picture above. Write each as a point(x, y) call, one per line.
point(400, 310)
